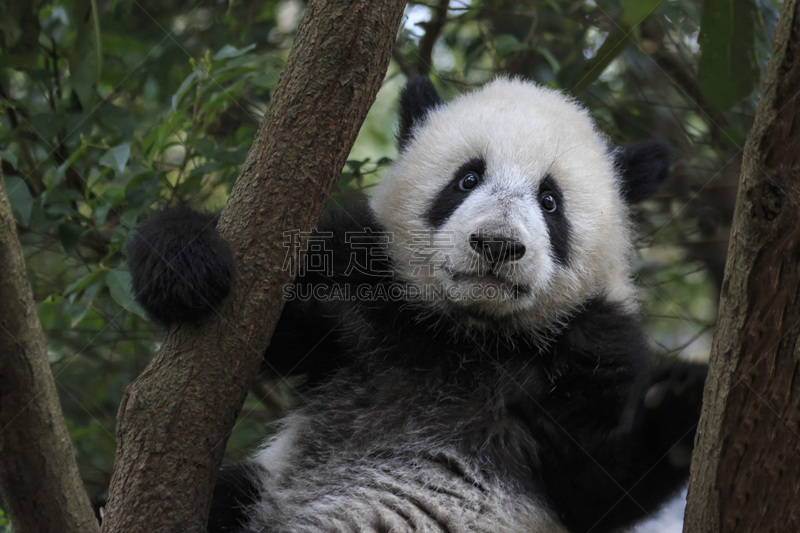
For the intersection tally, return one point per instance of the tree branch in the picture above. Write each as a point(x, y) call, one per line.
point(176, 417)
point(745, 472)
point(432, 30)
point(39, 478)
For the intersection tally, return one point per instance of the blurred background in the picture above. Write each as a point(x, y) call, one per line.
point(113, 109)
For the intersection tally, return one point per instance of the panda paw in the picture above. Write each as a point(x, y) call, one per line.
point(180, 267)
point(679, 384)
point(672, 405)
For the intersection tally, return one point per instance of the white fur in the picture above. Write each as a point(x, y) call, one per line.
point(524, 132)
point(279, 452)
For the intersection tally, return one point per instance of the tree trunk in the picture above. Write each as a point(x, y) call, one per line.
point(39, 481)
point(176, 417)
point(746, 464)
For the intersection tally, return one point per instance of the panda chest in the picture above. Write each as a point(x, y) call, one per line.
point(418, 457)
point(487, 419)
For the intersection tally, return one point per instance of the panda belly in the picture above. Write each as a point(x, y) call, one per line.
point(398, 453)
point(376, 492)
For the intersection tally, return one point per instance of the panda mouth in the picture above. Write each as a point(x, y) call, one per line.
point(491, 278)
point(478, 276)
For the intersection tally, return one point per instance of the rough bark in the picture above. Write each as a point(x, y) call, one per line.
point(39, 481)
point(176, 417)
point(745, 470)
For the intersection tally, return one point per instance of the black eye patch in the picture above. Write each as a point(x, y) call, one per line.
point(466, 179)
point(551, 200)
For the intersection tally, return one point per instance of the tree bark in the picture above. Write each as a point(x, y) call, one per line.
point(745, 469)
point(176, 417)
point(39, 481)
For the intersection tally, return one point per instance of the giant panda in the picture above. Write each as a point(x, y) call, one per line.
point(472, 348)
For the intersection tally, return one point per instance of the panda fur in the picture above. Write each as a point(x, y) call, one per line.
point(492, 375)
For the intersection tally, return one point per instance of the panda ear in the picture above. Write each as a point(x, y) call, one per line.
point(642, 167)
point(416, 100)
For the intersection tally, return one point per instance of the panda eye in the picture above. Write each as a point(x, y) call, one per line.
point(548, 201)
point(469, 181)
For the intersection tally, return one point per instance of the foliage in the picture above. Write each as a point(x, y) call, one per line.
point(5, 523)
point(90, 147)
point(113, 109)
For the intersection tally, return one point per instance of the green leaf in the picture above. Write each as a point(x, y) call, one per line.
point(267, 80)
point(78, 312)
point(85, 281)
point(232, 155)
point(20, 198)
point(118, 117)
point(86, 60)
point(19, 27)
point(9, 157)
point(116, 158)
point(119, 285)
point(728, 69)
point(507, 43)
point(182, 89)
point(47, 126)
point(228, 51)
point(205, 147)
point(70, 235)
point(163, 135)
point(78, 124)
point(62, 168)
point(550, 58)
point(635, 11)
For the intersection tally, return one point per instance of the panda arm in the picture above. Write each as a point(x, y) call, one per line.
point(309, 337)
point(620, 426)
point(306, 341)
point(181, 270)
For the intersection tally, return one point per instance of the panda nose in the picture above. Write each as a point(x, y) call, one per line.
point(495, 248)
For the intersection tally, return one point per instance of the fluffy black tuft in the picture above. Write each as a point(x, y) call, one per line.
point(236, 489)
point(181, 268)
point(643, 167)
point(417, 99)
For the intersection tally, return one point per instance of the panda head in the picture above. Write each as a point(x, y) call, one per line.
point(507, 206)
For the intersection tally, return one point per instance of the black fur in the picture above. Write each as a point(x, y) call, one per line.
point(451, 196)
point(643, 167)
point(605, 472)
point(235, 490)
point(316, 344)
point(571, 420)
point(418, 97)
point(180, 267)
point(558, 226)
